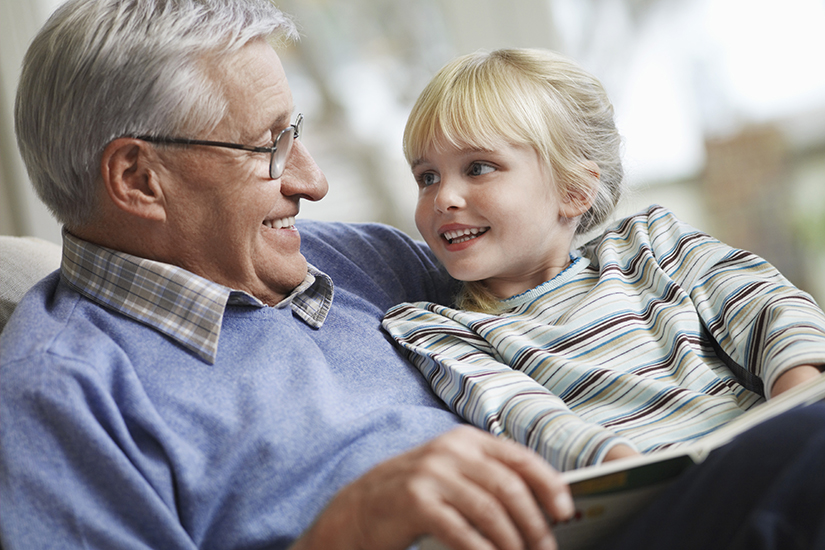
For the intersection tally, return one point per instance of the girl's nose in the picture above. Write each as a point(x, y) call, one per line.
point(450, 195)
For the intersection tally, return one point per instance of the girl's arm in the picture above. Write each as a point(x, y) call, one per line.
point(761, 320)
point(464, 372)
point(794, 377)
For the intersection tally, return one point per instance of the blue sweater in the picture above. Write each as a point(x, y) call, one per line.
point(115, 436)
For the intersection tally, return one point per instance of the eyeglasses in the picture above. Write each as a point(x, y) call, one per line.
point(279, 152)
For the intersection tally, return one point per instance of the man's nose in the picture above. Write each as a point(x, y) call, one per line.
point(302, 177)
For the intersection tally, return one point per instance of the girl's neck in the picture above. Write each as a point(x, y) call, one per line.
point(507, 287)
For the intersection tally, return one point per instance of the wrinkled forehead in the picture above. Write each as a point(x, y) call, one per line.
point(255, 87)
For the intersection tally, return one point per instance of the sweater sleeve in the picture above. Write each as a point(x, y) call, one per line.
point(467, 374)
point(61, 430)
point(761, 320)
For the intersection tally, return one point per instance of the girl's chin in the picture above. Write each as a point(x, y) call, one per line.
point(466, 275)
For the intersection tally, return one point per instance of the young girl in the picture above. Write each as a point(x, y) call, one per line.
point(630, 343)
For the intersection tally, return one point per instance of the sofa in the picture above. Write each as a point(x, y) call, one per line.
point(23, 262)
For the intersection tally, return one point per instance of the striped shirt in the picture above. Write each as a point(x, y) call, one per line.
point(612, 350)
point(184, 306)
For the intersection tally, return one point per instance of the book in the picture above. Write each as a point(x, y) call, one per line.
point(608, 495)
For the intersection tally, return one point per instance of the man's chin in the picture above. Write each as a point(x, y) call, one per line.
point(285, 275)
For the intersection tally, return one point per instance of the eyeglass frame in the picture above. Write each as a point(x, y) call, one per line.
point(275, 170)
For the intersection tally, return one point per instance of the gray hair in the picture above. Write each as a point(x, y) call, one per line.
point(102, 69)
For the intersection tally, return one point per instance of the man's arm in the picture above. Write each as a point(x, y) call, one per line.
point(466, 488)
point(74, 473)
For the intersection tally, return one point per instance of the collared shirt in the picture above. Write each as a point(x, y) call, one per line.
point(172, 300)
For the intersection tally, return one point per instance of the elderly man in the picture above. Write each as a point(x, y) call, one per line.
point(187, 379)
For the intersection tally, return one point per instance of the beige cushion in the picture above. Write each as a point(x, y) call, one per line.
point(23, 262)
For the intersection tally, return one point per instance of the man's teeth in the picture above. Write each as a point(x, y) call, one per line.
point(455, 237)
point(281, 223)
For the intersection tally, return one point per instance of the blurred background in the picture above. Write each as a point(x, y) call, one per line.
point(721, 104)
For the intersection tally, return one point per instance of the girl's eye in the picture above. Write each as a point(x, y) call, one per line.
point(480, 168)
point(427, 179)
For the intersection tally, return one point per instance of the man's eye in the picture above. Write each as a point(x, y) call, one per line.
point(427, 179)
point(480, 168)
point(264, 141)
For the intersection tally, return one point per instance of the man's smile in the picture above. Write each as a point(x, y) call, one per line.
point(281, 223)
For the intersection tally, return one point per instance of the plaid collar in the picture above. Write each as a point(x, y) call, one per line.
point(172, 300)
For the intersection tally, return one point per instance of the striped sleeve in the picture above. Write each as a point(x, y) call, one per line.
point(757, 316)
point(467, 374)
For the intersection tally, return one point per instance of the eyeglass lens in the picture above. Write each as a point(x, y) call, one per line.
point(283, 146)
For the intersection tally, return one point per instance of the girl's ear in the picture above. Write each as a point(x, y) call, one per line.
point(131, 183)
point(579, 196)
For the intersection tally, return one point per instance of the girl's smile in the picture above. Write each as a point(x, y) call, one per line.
point(456, 235)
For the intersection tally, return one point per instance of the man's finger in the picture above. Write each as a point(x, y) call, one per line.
point(544, 481)
point(517, 482)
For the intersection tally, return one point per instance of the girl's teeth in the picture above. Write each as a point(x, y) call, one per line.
point(455, 237)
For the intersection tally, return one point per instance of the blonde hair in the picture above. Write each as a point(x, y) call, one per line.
point(529, 97)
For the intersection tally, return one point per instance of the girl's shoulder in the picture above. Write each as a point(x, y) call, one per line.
point(652, 227)
point(655, 233)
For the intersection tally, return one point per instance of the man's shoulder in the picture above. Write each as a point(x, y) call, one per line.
point(31, 312)
point(315, 232)
point(376, 260)
point(52, 319)
point(365, 244)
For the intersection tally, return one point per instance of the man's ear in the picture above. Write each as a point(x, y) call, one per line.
point(131, 182)
point(579, 196)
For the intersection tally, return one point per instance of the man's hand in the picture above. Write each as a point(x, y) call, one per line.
point(794, 377)
point(467, 488)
